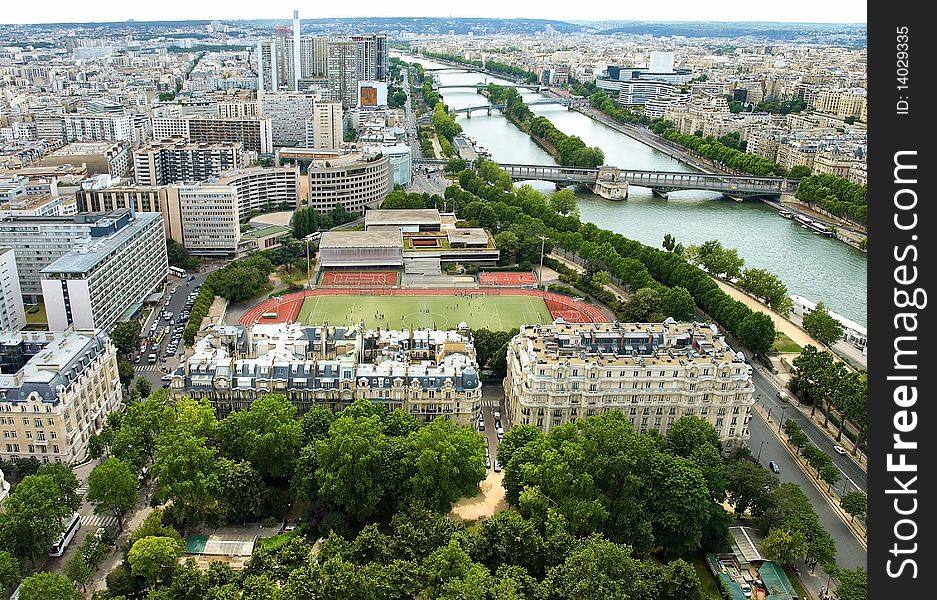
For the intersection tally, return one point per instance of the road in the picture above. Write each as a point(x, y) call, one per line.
point(765, 393)
point(849, 552)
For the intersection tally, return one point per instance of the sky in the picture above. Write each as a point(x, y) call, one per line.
point(810, 11)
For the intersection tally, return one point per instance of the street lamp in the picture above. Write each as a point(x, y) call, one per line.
point(763, 442)
point(543, 241)
point(769, 414)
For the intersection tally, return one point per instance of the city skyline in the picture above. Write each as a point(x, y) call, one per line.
point(795, 11)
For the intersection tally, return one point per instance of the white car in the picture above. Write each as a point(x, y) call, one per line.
point(839, 450)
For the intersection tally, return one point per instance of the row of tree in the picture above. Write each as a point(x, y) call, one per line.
point(824, 382)
point(629, 262)
point(572, 150)
point(308, 220)
point(179, 257)
point(835, 195)
point(492, 65)
point(710, 148)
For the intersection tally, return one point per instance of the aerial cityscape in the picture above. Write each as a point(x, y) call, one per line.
point(316, 306)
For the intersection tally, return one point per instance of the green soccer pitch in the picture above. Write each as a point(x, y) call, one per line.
point(442, 312)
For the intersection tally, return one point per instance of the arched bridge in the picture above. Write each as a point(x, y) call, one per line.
point(567, 102)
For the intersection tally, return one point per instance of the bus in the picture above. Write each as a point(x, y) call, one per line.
point(58, 548)
point(177, 271)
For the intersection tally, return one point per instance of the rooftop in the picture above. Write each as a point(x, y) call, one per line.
point(468, 235)
point(361, 239)
point(58, 363)
point(99, 249)
point(262, 232)
point(404, 216)
point(84, 148)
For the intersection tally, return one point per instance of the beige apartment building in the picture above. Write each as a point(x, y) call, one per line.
point(654, 373)
point(56, 390)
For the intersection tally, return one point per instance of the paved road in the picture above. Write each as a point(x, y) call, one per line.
point(849, 552)
point(854, 477)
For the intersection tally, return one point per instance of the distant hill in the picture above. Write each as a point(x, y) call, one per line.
point(760, 29)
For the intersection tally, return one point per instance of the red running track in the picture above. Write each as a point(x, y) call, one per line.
point(359, 278)
point(287, 307)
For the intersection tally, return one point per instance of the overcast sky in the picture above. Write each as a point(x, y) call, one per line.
point(811, 11)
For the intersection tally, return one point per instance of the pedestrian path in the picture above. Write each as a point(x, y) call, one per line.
point(98, 520)
point(82, 489)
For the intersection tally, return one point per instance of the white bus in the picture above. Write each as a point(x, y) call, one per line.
point(177, 271)
point(58, 548)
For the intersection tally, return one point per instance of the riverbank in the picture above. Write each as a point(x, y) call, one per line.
point(845, 231)
point(543, 144)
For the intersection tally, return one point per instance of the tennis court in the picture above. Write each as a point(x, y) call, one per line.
point(439, 312)
point(507, 278)
point(358, 278)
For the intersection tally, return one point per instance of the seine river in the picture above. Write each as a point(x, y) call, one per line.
point(822, 269)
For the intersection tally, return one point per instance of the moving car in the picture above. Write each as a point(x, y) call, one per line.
point(783, 397)
point(774, 467)
point(839, 450)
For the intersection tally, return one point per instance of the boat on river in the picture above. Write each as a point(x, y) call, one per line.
point(785, 214)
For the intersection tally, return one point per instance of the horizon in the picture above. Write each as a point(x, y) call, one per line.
point(56, 12)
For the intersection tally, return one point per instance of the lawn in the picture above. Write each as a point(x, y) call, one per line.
point(782, 343)
point(709, 585)
point(36, 314)
point(442, 312)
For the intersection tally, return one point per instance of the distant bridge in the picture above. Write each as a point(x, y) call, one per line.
point(482, 86)
point(736, 187)
point(567, 102)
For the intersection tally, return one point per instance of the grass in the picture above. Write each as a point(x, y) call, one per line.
point(782, 343)
point(272, 543)
point(709, 585)
point(36, 315)
point(499, 313)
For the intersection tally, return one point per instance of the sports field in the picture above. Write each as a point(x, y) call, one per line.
point(440, 312)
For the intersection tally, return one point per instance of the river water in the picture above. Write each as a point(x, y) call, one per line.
point(822, 269)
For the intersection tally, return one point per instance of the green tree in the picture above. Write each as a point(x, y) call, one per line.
point(783, 546)
point(518, 437)
point(33, 517)
point(77, 570)
point(153, 557)
point(821, 326)
point(350, 471)
point(125, 372)
point(9, 570)
point(853, 584)
point(767, 287)
point(757, 332)
point(678, 303)
point(831, 475)
point(126, 336)
point(65, 481)
point(239, 489)
point(597, 570)
point(180, 257)
point(644, 306)
point(143, 387)
point(112, 488)
point(185, 468)
point(267, 434)
point(855, 503)
point(799, 171)
point(48, 586)
point(448, 461)
point(749, 486)
point(563, 202)
point(689, 433)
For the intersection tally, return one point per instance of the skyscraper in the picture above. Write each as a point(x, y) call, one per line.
point(373, 59)
point(343, 72)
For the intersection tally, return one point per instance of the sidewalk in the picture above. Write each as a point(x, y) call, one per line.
point(113, 559)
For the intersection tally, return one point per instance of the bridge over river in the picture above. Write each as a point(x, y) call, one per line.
point(612, 182)
point(569, 103)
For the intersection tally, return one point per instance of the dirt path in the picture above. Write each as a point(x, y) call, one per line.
point(486, 503)
point(800, 337)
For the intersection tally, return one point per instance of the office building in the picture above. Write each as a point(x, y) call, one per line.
point(276, 59)
point(401, 162)
point(373, 57)
point(237, 110)
point(253, 133)
point(107, 275)
point(112, 158)
point(12, 313)
point(56, 390)
point(343, 72)
point(654, 373)
point(426, 373)
point(372, 94)
point(210, 218)
point(355, 181)
point(176, 160)
point(97, 127)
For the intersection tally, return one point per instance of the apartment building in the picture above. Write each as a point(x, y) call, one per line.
point(355, 181)
point(326, 126)
point(426, 373)
point(236, 110)
point(97, 127)
point(290, 114)
point(56, 390)
point(654, 373)
point(343, 72)
point(210, 218)
point(176, 160)
point(253, 133)
point(107, 275)
point(12, 313)
point(373, 58)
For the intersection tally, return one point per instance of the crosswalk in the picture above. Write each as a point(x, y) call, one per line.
point(82, 489)
point(98, 520)
point(146, 368)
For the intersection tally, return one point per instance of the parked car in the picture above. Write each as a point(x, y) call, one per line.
point(487, 462)
point(774, 467)
point(497, 466)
